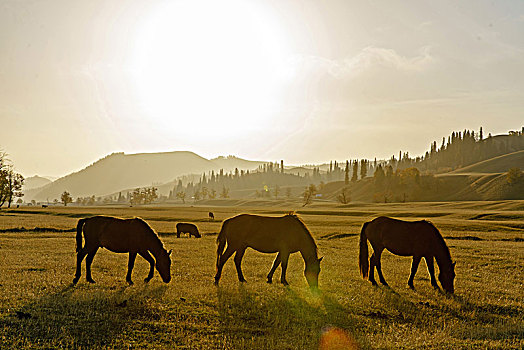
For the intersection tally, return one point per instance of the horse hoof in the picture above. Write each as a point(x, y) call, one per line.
point(130, 282)
point(285, 283)
point(216, 283)
point(75, 280)
point(373, 283)
point(411, 287)
point(91, 281)
point(269, 281)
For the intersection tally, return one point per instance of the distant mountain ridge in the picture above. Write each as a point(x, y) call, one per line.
point(35, 182)
point(119, 171)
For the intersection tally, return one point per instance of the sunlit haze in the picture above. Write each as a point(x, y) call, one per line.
point(306, 82)
point(220, 70)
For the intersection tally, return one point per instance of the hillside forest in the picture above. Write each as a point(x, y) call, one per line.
point(466, 165)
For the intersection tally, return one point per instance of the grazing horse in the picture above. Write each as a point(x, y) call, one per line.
point(283, 235)
point(419, 239)
point(183, 227)
point(211, 215)
point(133, 236)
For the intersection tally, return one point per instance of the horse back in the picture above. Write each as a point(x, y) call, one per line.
point(115, 234)
point(264, 233)
point(401, 237)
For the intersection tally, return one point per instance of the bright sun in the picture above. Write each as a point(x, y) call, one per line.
point(218, 65)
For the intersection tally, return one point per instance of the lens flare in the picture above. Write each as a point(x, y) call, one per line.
point(334, 338)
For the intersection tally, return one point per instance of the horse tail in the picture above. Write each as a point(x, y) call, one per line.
point(363, 261)
point(221, 241)
point(79, 234)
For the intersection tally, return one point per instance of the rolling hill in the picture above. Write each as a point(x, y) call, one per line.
point(119, 171)
point(493, 165)
point(485, 180)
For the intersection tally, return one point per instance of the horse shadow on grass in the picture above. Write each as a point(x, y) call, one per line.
point(485, 321)
point(476, 321)
point(401, 309)
point(286, 319)
point(85, 317)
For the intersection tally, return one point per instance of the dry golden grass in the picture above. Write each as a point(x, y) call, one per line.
point(36, 270)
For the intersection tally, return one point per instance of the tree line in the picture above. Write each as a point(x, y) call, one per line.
point(460, 149)
point(402, 178)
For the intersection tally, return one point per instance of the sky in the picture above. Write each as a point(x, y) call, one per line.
point(303, 81)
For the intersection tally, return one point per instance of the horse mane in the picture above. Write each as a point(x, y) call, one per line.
point(440, 239)
point(303, 225)
point(154, 233)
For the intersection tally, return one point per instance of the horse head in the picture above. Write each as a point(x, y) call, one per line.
point(446, 278)
point(311, 272)
point(163, 265)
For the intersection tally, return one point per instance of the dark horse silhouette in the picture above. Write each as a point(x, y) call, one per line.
point(285, 235)
point(211, 215)
point(133, 236)
point(419, 239)
point(183, 227)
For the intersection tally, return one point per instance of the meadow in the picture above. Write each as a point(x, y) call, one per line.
point(40, 308)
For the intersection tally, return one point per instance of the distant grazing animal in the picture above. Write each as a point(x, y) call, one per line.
point(211, 215)
point(419, 239)
point(44, 205)
point(133, 236)
point(283, 235)
point(183, 227)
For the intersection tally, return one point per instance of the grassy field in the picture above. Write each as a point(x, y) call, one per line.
point(40, 308)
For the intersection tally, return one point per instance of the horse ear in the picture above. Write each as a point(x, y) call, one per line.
point(169, 252)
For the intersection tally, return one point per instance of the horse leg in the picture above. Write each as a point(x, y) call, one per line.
point(79, 258)
point(227, 254)
point(414, 268)
point(89, 261)
point(284, 259)
point(372, 269)
point(130, 264)
point(151, 261)
point(379, 268)
point(238, 261)
point(272, 271)
point(431, 270)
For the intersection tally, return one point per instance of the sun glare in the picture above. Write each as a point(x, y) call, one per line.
point(218, 64)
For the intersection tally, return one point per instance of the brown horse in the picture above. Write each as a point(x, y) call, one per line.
point(419, 239)
point(285, 235)
point(133, 236)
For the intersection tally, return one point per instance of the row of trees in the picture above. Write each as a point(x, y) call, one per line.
point(146, 195)
point(395, 179)
point(402, 185)
point(460, 149)
point(268, 180)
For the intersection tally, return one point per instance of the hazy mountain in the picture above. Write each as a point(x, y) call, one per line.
point(35, 182)
point(119, 171)
point(229, 163)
